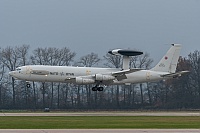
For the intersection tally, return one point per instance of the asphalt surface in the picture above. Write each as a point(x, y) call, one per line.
point(105, 114)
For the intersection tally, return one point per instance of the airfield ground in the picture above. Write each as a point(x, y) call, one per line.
point(102, 113)
point(114, 121)
point(99, 130)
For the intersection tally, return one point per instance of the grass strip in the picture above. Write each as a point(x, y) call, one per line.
point(99, 122)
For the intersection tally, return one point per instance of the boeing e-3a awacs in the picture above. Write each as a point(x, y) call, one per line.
point(165, 69)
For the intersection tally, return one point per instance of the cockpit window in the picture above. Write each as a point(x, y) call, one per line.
point(18, 69)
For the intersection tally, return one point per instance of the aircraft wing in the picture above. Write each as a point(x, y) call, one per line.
point(122, 74)
point(175, 75)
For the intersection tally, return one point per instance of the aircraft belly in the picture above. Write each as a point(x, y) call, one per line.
point(139, 77)
point(136, 77)
point(131, 78)
point(42, 78)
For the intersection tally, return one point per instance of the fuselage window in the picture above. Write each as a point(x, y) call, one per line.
point(18, 69)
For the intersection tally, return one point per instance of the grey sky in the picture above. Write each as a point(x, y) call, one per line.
point(87, 26)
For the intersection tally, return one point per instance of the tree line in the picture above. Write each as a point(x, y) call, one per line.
point(180, 93)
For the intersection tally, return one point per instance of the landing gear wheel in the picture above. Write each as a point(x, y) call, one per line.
point(100, 88)
point(94, 88)
point(28, 85)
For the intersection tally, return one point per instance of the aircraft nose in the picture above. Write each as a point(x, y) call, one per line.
point(11, 73)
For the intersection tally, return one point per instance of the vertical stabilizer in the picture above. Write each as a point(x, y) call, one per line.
point(169, 62)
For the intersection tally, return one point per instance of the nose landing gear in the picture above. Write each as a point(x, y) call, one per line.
point(28, 85)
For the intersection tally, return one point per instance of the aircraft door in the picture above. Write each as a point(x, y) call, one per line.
point(28, 71)
point(148, 75)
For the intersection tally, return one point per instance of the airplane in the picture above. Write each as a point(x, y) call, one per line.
point(165, 69)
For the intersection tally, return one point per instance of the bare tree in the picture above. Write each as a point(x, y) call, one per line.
point(52, 56)
point(10, 58)
point(114, 61)
point(2, 71)
point(63, 57)
point(142, 61)
point(42, 56)
point(24, 60)
point(194, 59)
point(2, 74)
point(88, 60)
point(23, 54)
point(178, 93)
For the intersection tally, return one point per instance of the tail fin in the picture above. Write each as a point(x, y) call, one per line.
point(169, 62)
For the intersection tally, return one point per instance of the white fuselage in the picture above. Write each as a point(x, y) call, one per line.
point(166, 68)
point(68, 74)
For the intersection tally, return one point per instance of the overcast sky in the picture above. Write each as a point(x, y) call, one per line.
point(86, 26)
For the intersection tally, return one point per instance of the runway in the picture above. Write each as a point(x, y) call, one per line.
point(118, 113)
point(99, 130)
point(103, 113)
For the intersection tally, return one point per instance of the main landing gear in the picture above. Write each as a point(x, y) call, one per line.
point(96, 88)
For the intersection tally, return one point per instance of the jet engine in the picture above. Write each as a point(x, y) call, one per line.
point(100, 77)
point(84, 80)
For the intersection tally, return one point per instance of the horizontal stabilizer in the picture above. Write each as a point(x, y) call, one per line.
point(175, 75)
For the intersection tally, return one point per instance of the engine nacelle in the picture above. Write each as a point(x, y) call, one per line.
point(100, 77)
point(84, 80)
